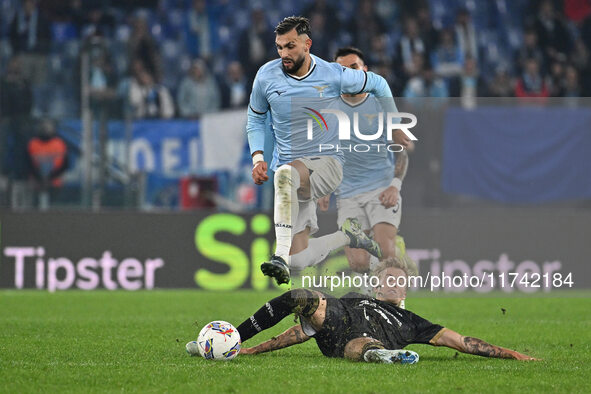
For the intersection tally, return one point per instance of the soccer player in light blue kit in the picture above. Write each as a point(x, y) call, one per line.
point(303, 173)
point(372, 179)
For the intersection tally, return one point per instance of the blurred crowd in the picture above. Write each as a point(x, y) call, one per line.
point(183, 58)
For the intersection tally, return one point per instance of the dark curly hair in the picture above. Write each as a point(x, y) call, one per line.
point(344, 51)
point(301, 24)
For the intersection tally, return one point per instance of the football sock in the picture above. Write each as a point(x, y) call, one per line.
point(287, 183)
point(301, 301)
point(318, 249)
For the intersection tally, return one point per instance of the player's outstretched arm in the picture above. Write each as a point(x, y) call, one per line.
point(389, 197)
point(259, 168)
point(477, 346)
point(256, 139)
point(292, 336)
point(401, 165)
point(255, 130)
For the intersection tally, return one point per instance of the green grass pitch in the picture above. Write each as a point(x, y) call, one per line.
point(135, 341)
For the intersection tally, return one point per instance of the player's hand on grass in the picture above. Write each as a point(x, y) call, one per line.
point(259, 173)
point(247, 350)
point(524, 357)
point(389, 197)
point(323, 203)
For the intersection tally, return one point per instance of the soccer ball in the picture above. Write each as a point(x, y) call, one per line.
point(219, 340)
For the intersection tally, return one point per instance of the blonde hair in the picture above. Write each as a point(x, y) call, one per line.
point(391, 262)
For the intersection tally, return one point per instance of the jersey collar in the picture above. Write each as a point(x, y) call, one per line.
point(358, 103)
point(312, 67)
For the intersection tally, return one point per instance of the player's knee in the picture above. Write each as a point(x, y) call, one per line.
point(356, 348)
point(303, 302)
point(283, 173)
point(286, 177)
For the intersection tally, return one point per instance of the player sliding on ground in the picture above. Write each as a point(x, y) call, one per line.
point(303, 172)
point(361, 328)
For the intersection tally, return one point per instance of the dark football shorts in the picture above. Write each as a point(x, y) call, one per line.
point(344, 323)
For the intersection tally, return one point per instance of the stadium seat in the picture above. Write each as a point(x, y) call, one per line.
point(170, 49)
point(174, 23)
point(55, 65)
point(514, 37)
point(5, 52)
point(122, 32)
point(63, 31)
point(440, 13)
point(157, 32)
point(7, 11)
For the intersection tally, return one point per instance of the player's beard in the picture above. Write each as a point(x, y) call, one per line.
point(296, 65)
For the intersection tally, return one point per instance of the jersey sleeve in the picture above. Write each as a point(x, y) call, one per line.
point(359, 81)
point(352, 81)
point(377, 85)
point(258, 100)
point(256, 117)
point(425, 331)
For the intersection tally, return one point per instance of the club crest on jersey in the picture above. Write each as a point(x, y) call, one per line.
point(320, 89)
point(370, 117)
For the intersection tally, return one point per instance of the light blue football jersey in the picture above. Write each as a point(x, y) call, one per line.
point(293, 102)
point(369, 165)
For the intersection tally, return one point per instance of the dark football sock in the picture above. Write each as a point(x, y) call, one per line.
point(301, 301)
